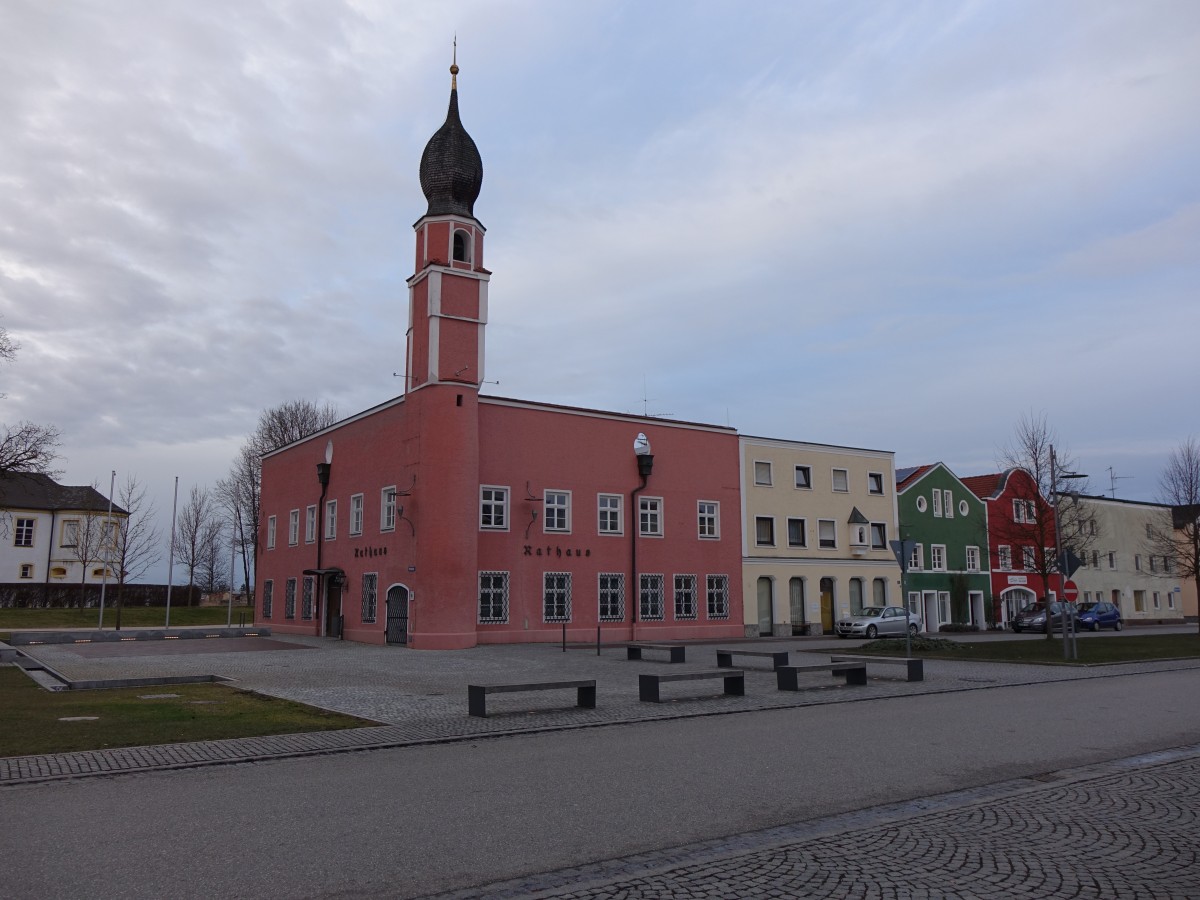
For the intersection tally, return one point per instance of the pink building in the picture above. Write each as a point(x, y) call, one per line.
point(445, 519)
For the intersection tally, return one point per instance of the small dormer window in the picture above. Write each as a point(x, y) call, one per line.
point(462, 246)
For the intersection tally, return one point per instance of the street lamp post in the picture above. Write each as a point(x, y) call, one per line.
point(1070, 651)
point(104, 543)
point(645, 464)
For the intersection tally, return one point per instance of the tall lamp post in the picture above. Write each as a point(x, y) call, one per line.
point(1069, 650)
point(106, 545)
point(645, 465)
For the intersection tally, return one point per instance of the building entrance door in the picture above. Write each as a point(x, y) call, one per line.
point(397, 615)
point(333, 608)
point(827, 605)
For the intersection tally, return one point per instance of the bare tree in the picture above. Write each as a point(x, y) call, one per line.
point(210, 572)
point(88, 538)
point(192, 529)
point(241, 491)
point(8, 347)
point(137, 546)
point(1177, 536)
point(25, 447)
point(1037, 501)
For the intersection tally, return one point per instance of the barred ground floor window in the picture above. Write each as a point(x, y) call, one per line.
point(370, 597)
point(289, 599)
point(685, 596)
point(612, 597)
point(493, 598)
point(556, 597)
point(267, 597)
point(718, 596)
point(306, 597)
point(651, 598)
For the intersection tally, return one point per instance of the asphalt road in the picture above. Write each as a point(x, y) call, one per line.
point(414, 821)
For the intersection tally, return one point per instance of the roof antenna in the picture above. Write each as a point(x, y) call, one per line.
point(1113, 478)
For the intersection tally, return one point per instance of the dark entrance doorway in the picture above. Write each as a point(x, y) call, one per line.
point(333, 608)
point(397, 615)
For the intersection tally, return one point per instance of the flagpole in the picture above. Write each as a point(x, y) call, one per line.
point(171, 558)
point(112, 483)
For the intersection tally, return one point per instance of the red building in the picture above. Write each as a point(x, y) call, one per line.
point(1021, 540)
point(445, 519)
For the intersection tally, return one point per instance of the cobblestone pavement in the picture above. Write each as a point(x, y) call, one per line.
point(1128, 829)
point(420, 696)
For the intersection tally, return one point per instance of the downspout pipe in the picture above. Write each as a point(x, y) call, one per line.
point(323, 598)
point(645, 465)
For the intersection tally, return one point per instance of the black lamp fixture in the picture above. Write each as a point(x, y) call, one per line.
point(645, 459)
point(324, 467)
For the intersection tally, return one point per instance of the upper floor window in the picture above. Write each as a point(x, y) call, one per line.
point(937, 502)
point(558, 511)
point(310, 524)
point(1112, 559)
point(706, 518)
point(1024, 511)
point(797, 533)
point(23, 533)
point(1137, 562)
point(1004, 556)
point(917, 560)
point(330, 519)
point(804, 476)
point(356, 514)
point(493, 508)
point(827, 534)
point(972, 559)
point(294, 527)
point(937, 557)
point(270, 532)
point(387, 508)
point(878, 535)
point(608, 508)
point(948, 504)
point(875, 482)
point(764, 531)
point(841, 480)
point(762, 472)
point(650, 516)
point(70, 533)
point(1028, 558)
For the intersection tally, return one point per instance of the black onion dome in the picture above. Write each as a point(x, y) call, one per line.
point(451, 168)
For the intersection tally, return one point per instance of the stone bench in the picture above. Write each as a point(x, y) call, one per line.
point(786, 676)
point(648, 684)
point(778, 657)
point(915, 668)
point(677, 651)
point(477, 693)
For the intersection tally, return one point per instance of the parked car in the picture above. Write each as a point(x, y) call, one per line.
point(1100, 615)
point(877, 621)
point(1032, 616)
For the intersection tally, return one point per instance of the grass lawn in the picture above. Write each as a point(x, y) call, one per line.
point(30, 716)
point(1092, 650)
point(131, 617)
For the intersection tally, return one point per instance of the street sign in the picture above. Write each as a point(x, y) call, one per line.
point(903, 551)
point(1068, 563)
point(1071, 591)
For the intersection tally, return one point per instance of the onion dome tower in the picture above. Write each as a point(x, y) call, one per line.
point(451, 168)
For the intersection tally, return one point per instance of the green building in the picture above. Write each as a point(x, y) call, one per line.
point(948, 580)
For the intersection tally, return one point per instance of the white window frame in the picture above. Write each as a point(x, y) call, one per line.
point(310, 524)
point(330, 520)
point(1004, 557)
point(556, 516)
point(1029, 559)
point(708, 520)
point(972, 559)
point(650, 516)
point(803, 542)
point(937, 502)
point(807, 485)
point(293, 528)
point(356, 514)
point(948, 504)
point(493, 502)
point(610, 517)
point(937, 557)
point(769, 522)
point(493, 597)
point(387, 508)
point(26, 571)
point(881, 529)
point(872, 477)
point(69, 535)
point(24, 532)
point(917, 559)
point(271, 526)
point(845, 478)
point(821, 541)
point(763, 474)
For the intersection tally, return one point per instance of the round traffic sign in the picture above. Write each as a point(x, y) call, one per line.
point(1071, 591)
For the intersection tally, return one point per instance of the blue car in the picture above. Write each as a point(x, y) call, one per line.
point(1095, 616)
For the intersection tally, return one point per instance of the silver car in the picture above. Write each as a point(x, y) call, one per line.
point(875, 621)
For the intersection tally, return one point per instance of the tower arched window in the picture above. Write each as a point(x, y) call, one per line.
point(462, 246)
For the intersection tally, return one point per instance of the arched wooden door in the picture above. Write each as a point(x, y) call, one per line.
point(397, 614)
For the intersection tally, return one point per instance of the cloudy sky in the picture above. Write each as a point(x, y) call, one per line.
point(887, 225)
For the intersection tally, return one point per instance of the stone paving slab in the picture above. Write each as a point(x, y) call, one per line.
point(1126, 828)
point(420, 697)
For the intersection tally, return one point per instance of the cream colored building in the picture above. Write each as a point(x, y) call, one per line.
point(817, 520)
point(1122, 566)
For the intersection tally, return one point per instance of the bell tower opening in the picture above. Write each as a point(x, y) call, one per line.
point(462, 246)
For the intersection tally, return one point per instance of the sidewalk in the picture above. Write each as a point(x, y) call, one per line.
point(420, 697)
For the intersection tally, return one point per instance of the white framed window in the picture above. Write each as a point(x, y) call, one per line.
point(879, 536)
point(963, 508)
point(762, 473)
point(270, 532)
point(556, 596)
point(461, 249)
point(707, 519)
point(764, 531)
point(557, 516)
point(875, 482)
point(797, 532)
point(23, 533)
point(310, 524)
point(650, 516)
point(685, 596)
point(937, 557)
point(611, 593)
point(922, 505)
point(937, 502)
point(841, 480)
point(294, 527)
point(370, 596)
point(948, 504)
point(267, 597)
point(1004, 556)
point(917, 560)
point(718, 596)
point(306, 597)
point(493, 508)
point(650, 596)
point(387, 508)
point(804, 477)
point(827, 534)
point(1018, 511)
point(608, 508)
point(356, 514)
point(330, 519)
point(1028, 558)
point(972, 559)
point(289, 599)
point(70, 533)
point(26, 570)
point(493, 598)
point(944, 606)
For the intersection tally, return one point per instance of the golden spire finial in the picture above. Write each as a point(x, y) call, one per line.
point(454, 66)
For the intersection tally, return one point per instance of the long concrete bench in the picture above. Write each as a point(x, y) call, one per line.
point(677, 652)
point(778, 657)
point(477, 693)
point(786, 676)
point(648, 684)
point(914, 668)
